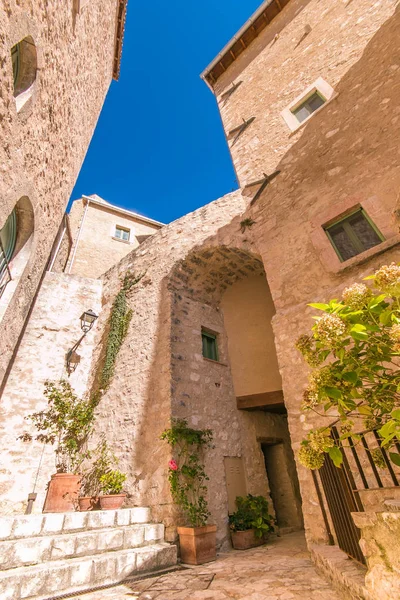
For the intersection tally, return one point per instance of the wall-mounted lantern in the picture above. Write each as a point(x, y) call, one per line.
point(73, 358)
point(87, 320)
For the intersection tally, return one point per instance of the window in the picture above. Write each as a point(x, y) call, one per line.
point(210, 349)
point(122, 234)
point(353, 234)
point(304, 106)
point(8, 237)
point(309, 106)
point(24, 66)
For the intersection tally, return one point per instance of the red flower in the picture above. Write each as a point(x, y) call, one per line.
point(172, 465)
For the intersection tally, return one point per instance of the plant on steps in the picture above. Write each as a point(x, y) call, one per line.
point(111, 485)
point(112, 482)
point(354, 350)
point(67, 423)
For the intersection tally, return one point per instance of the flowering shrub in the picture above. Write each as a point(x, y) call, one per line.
point(186, 472)
point(355, 352)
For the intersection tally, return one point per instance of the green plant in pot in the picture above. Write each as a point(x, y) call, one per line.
point(100, 461)
point(67, 423)
point(251, 524)
point(187, 478)
point(111, 485)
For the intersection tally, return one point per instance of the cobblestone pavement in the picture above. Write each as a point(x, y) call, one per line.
point(280, 570)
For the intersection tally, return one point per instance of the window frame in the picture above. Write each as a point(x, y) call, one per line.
point(351, 234)
point(122, 229)
point(211, 335)
point(319, 86)
point(305, 104)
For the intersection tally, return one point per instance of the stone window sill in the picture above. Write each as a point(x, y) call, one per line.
point(119, 240)
point(364, 256)
point(215, 362)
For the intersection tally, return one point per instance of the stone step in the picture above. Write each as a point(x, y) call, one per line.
point(21, 526)
point(39, 549)
point(79, 574)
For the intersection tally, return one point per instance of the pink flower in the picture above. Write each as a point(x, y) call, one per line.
point(172, 465)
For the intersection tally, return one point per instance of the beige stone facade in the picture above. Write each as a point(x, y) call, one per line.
point(244, 268)
point(95, 225)
point(48, 118)
point(281, 63)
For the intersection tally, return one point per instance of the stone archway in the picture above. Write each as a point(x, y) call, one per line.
point(222, 291)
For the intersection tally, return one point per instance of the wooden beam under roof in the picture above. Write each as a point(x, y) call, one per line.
point(262, 18)
point(267, 401)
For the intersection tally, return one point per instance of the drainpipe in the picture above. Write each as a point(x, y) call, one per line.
point(79, 232)
point(58, 246)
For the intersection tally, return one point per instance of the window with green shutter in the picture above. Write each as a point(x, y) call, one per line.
point(353, 234)
point(210, 348)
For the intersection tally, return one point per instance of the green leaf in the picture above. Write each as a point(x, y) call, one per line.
point(350, 376)
point(395, 458)
point(384, 317)
point(359, 335)
point(364, 410)
point(332, 392)
point(388, 429)
point(376, 300)
point(396, 414)
point(319, 305)
point(358, 327)
point(336, 456)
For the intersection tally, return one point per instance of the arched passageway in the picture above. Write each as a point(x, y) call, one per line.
point(225, 376)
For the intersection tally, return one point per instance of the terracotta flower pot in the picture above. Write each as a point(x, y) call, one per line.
point(197, 544)
point(88, 503)
point(243, 540)
point(62, 493)
point(111, 501)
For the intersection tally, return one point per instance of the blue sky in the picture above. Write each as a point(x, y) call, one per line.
point(159, 148)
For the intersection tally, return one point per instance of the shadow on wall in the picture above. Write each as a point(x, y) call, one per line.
point(183, 384)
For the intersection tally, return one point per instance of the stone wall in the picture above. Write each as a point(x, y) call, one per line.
point(281, 63)
point(347, 156)
point(161, 373)
point(380, 545)
point(148, 383)
point(98, 249)
point(54, 327)
point(44, 144)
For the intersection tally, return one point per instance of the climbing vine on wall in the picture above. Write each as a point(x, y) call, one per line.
point(120, 318)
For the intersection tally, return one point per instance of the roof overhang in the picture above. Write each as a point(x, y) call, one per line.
point(259, 20)
point(122, 211)
point(119, 37)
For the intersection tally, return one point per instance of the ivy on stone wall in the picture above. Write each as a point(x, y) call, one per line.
point(120, 318)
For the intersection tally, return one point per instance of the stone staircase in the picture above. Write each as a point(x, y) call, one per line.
point(48, 555)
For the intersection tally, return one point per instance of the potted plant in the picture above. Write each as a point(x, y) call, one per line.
point(101, 460)
point(251, 524)
point(67, 423)
point(187, 479)
point(111, 485)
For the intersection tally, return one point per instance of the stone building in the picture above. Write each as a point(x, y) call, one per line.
point(308, 93)
point(51, 98)
point(103, 234)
